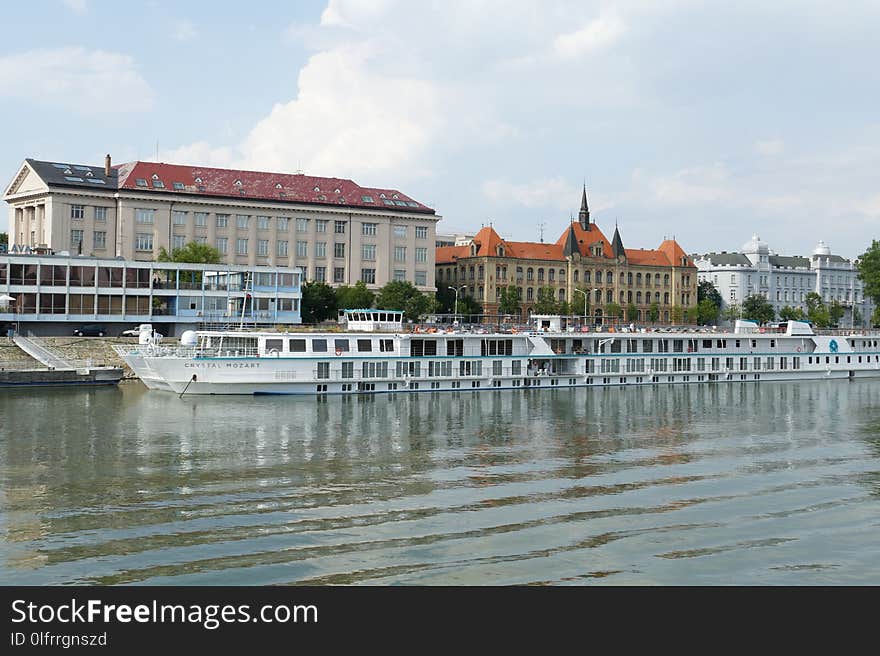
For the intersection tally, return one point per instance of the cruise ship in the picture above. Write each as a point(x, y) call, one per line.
point(374, 354)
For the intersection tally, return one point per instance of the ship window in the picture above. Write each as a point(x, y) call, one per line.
point(365, 345)
point(707, 343)
point(341, 345)
point(299, 345)
point(274, 345)
point(386, 345)
point(319, 346)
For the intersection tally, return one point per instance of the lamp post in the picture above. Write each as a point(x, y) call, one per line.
point(581, 291)
point(456, 290)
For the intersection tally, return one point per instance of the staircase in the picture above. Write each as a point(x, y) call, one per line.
point(41, 353)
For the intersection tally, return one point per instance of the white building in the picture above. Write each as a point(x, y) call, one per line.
point(785, 280)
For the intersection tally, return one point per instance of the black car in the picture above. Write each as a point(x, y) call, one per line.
point(91, 330)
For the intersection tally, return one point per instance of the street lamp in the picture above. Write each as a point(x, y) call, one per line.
point(456, 290)
point(581, 291)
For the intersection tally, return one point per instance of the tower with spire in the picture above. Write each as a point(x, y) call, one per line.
point(617, 249)
point(584, 214)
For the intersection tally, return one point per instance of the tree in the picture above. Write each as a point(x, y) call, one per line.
point(193, 252)
point(632, 312)
point(692, 314)
point(357, 297)
point(402, 295)
point(789, 313)
point(758, 308)
point(654, 312)
point(707, 312)
point(564, 308)
point(817, 313)
point(869, 271)
point(509, 302)
point(545, 302)
point(835, 313)
point(706, 290)
point(613, 311)
point(4, 239)
point(731, 312)
point(581, 301)
point(676, 314)
point(857, 316)
point(318, 302)
point(875, 317)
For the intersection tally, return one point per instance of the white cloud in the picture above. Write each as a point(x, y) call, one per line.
point(697, 185)
point(200, 153)
point(184, 30)
point(85, 81)
point(552, 193)
point(78, 6)
point(595, 35)
point(770, 147)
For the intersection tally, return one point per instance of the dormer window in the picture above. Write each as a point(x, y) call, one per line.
point(68, 172)
point(278, 185)
point(155, 176)
point(141, 182)
point(198, 181)
point(500, 251)
point(395, 196)
point(381, 195)
point(89, 174)
point(336, 191)
point(317, 189)
point(237, 183)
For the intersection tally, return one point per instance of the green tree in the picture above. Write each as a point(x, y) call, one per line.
point(4, 239)
point(565, 308)
point(509, 302)
point(835, 313)
point(578, 302)
point(545, 303)
point(193, 252)
point(857, 317)
point(318, 302)
point(402, 295)
point(875, 317)
point(692, 314)
point(869, 271)
point(676, 314)
point(613, 311)
point(632, 312)
point(352, 298)
point(758, 308)
point(707, 312)
point(706, 290)
point(817, 313)
point(654, 312)
point(731, 313)
point(788, 313)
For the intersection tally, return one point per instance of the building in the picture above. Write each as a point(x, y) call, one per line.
point(55, 294)
point(786, 280)
point(333, 229)
point(449, 239)
point(581, 261)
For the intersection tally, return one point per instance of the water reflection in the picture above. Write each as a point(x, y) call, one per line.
point(687, 484)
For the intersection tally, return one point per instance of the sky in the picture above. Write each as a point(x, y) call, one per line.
point(702, 121)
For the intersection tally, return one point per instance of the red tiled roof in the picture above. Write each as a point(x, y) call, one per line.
point(285, 187)
point(586, 238)
point(530, 250)
point(450, 254)
point(647, 258)
point(674, 252)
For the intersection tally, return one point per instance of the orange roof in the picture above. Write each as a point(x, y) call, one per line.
point(647, 258)
point(450, 254)
point(586, 238)
point(487, 241)
point(674, 252)
point(530, 250)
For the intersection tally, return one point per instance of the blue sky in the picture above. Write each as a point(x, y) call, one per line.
point(703, 121)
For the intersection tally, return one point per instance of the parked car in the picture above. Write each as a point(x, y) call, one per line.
point(90, 330)
point(136, 331)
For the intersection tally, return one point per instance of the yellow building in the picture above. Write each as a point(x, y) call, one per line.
point(582, 261)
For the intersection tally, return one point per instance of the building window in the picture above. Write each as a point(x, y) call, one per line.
point(320, 274)
point(77, 211)
point(262, 223)
point(100, 214)
point(339, 227)
point(321, 225)
point(282, 248)
point(530, 274)
point(368, 276)
point(338, 250)
point(421, 278)
point(100, 240)
point(400, 231)
point(143, 241)
point(368, 229)
point(179, 218)
point(421, 232)
point(222, 220)
point(263, 247)
point(178, 241)
point(302, 249)
point(302, 225)
point(421, 255)
point(368, 252)
point(241, 246)
point(222, 245)
point(399, 275)
point(321, 249)
point(241, 220)
point(338, 274)
point(282, 224)
point(400, 253)
point(143, 216)
point(200, 239)
point(201, 219)
point(76, 238)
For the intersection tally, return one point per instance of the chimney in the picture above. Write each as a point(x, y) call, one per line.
point(107, 165)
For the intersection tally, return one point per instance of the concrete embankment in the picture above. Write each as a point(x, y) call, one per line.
point(97, 351)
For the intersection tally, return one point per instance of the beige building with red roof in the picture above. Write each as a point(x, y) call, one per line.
point(581, 259)
point(335, 230)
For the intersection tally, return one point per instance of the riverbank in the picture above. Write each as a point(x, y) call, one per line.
point(94, 351)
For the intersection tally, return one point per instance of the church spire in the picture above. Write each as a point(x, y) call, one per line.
point(584, 214)
point(617, 244)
